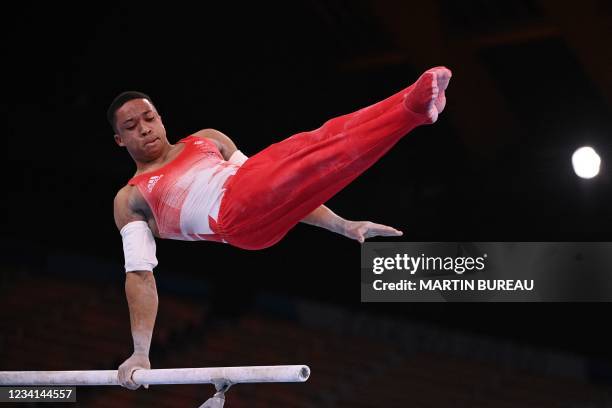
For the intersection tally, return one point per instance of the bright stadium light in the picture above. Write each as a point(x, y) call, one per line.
point(586, 162)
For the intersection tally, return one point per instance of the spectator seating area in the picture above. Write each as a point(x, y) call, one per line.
point(52, 324)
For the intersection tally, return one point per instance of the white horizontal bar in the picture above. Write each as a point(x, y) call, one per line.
point(209, 375)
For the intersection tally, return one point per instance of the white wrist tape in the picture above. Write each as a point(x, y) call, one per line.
point(238, 158)
point(138, 247)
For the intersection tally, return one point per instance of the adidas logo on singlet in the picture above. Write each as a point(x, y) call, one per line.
point(152, 181)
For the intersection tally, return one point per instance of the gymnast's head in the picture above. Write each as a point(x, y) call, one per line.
point(137, 125)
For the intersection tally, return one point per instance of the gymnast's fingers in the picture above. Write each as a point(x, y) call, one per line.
point(384, 230)
point(125, 377)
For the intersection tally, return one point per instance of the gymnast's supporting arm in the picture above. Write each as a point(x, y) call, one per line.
point(141, 293)
point(140, 289)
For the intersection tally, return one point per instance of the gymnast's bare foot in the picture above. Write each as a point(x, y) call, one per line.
point(427, 96)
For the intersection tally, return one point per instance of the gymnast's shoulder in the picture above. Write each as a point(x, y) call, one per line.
point(225, 145)
point(126, 206)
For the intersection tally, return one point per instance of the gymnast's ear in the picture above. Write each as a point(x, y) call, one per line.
point(118, 140)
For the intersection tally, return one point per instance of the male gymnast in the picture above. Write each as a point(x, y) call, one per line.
point(204, 188)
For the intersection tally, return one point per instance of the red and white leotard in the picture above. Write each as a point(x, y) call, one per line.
point(185, 194)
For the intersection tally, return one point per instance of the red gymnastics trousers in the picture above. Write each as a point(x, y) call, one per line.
point(279, 186)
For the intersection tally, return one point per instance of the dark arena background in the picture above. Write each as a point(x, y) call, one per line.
point(532, 81)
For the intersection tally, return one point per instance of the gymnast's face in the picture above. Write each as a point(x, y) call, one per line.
point(140, 130)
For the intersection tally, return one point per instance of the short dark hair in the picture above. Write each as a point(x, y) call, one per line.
point(120, 100)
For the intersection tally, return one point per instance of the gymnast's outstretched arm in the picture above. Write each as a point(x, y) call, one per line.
point(358, 230)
